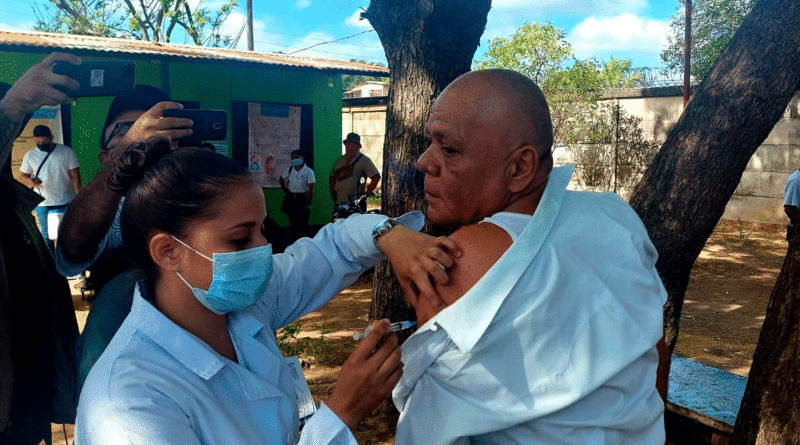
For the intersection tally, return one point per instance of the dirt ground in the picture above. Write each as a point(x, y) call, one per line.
point(722, 316)
point(728, 294)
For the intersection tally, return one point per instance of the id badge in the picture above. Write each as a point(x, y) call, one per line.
point(305, 402)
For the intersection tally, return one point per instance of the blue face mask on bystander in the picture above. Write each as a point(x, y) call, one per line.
point(239, 279)
point(297, 162)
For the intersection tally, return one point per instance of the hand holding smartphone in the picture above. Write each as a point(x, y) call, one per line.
point(98, 77)
point(208, 125)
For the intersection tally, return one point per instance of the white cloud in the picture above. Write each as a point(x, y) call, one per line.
point(541, 9)
point(302, 4)
point(625, 36)
point(21, 26)
point(356, 20)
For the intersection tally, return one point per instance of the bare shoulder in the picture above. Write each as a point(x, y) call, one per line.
point(482, 245)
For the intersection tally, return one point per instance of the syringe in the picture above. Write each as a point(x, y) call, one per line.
point(394, 327)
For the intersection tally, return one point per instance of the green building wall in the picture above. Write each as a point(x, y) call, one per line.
point(214, 86)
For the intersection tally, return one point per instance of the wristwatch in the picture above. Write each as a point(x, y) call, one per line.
point(382, 228)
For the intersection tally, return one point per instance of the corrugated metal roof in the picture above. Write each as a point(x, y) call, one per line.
point(90, 44)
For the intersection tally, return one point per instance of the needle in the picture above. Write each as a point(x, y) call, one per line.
point(394, 327)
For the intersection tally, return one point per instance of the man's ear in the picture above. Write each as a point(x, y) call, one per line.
point(523, 169)
point(102, 155)
point(164, 251)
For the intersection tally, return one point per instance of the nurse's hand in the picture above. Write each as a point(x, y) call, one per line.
point(419, 260)
point(368, 376)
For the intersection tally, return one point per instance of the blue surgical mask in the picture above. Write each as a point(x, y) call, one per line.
point(239, 279)
point(297, 162)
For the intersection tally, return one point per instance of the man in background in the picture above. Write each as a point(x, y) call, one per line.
point(297, 183)
point(350, 173)
point(90, 234)
point(51, 170)
point(791, 203)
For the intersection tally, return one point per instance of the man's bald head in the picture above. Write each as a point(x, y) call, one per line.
point(513, 96)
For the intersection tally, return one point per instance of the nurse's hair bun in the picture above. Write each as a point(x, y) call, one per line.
point(133, 164)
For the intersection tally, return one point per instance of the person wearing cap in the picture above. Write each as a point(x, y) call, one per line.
point(51, 170)
point(90, 237)
point(350, 173)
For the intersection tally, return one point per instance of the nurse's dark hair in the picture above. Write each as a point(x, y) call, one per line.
point(166, 190)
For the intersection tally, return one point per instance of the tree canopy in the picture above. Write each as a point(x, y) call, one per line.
point(152, 20)
point(713, 25)
point(571, 86)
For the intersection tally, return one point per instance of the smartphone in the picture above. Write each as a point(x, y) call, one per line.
point(209, 125)
point(98, 77)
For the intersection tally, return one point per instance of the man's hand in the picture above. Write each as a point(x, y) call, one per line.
point(36, 88)
point(153, 124)
point(368, 376)
point(29, 180)
point(418, 260)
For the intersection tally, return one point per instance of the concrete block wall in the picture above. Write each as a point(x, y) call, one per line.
point(758, 198)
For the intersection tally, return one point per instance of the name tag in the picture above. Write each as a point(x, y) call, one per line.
point(305, 402)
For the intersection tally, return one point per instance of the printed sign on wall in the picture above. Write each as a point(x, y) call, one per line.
point(273, 133)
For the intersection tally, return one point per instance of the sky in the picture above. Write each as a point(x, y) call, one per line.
point(623, 29)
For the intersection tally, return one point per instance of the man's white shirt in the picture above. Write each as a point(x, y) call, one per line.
point(297, 180)
point(555, 344)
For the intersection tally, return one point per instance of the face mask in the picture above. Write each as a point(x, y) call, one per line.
point(297, 162)
point(45, 147)
point(239, 279)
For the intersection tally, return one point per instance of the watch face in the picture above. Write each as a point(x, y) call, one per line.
point(383, 227)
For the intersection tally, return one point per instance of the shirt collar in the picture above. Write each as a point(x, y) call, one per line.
point(467, 319)
point(187, 349)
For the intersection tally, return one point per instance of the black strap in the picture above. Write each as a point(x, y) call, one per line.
point(36, 175)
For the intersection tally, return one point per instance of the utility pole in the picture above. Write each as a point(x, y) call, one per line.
point(687, 53)
point(250, 25)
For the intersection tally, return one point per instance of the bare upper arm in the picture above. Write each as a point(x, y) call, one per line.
point(482, 245)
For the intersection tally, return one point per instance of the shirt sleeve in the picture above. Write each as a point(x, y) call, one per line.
point(369, 167)
point(325, 427)
point(69, 268)
point(72, 159)
point(311, 178)
point(26, 164)
point(312, 271)
point(791, 196)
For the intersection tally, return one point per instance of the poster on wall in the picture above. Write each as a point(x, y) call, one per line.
point(273, 133)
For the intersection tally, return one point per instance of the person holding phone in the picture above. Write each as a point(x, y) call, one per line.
point(197, 361)
point(89, 236)
point(38, 328)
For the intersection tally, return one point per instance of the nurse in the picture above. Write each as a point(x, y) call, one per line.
point(196, 361)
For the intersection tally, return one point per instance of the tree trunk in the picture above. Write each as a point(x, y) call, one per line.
point(770, 410)
point(428, 43)
point(683, 193)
